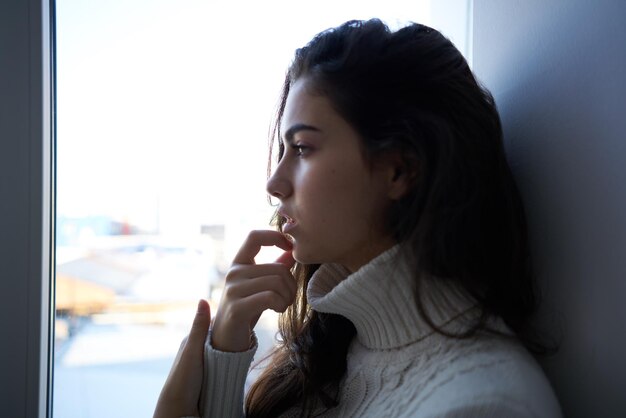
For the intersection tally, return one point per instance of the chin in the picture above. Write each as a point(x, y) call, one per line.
point(307, 255)
point(298, 256)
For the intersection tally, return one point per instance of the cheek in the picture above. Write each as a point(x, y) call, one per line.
point(337, 198)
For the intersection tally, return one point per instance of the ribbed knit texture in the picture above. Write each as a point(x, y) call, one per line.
point(397, 365)
point(224, 380)
point(379, 301)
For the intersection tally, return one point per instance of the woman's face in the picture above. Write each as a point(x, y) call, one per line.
point(333, 201)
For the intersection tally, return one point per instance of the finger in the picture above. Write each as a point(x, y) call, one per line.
point(286, 287)
point(257, 239)
point(287, 259)
point(261, 301)
point(251, 272)
point(200, 326)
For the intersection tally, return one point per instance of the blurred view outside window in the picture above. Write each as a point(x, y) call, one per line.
point(163, 115)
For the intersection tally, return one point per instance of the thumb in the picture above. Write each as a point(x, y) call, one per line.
point(200, 326)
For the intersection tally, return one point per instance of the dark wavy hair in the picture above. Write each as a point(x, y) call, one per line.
point(408, 93)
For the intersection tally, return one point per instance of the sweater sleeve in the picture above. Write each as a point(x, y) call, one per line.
point(224, 380)
point(490, 408)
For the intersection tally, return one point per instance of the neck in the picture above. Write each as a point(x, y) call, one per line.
point(366, 253)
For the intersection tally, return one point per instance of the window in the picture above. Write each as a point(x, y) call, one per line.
point(120, 203)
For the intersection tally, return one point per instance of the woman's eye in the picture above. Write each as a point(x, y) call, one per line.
point(300, 149)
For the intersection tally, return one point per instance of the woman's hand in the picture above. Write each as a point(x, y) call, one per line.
point(181, 392)
point(252, 288)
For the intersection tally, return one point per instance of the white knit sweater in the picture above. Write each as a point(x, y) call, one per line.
point(397, 365)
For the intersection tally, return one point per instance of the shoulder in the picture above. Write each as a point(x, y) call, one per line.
point(485, 377)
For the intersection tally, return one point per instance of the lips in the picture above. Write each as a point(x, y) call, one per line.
point(289, 223)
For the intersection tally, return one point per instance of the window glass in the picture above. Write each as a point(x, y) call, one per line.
point(163, 116)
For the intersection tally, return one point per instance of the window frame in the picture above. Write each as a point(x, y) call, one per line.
point(27, 167)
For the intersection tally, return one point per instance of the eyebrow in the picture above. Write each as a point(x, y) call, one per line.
point(297, 128)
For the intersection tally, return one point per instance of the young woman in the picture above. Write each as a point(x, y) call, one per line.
point(405, 285)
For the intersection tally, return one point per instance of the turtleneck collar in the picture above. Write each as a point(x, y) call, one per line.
point(378, 299)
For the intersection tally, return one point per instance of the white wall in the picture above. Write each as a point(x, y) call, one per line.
point(558, 72)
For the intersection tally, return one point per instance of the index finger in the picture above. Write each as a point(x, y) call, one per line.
point(257, 239)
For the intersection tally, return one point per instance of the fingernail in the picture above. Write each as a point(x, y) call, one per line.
point(202, 306)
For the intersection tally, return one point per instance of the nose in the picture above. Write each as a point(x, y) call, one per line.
point(279, 185)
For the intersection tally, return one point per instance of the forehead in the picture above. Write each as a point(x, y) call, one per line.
point(304, 106)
